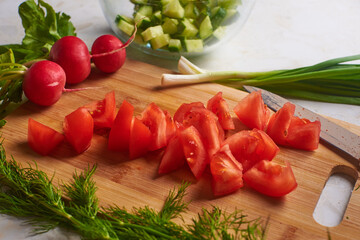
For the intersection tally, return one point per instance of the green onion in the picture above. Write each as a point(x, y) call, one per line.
point(335, 80)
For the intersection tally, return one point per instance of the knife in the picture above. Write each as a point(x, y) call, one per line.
point(346, 142)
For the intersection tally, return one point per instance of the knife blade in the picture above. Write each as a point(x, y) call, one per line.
point(345, 141)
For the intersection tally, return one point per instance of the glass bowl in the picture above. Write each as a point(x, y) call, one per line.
point(230, 23)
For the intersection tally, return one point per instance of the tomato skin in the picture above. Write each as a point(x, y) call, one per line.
point(140, 138)
point(251, 146)
point(173, 157)
point(78, 128)
point(194, 150)
point(304, 134)
point(119, 136)
point(279, 123)
point(154, 118)
point(43, 139)
point(103, 111)
point(287, 130)
point(271, 179)
point(219, 106)
point(252, 111)
point(226, 172)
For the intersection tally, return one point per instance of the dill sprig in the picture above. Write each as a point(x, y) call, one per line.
point(29, 193)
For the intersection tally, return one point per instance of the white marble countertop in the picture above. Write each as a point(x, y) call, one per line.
point(279, 34)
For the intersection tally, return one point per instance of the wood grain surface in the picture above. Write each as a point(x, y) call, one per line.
point(136, 183)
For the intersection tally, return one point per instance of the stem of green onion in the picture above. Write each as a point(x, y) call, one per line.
point(329, 81)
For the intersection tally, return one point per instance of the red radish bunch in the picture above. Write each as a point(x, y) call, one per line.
point(70, 63)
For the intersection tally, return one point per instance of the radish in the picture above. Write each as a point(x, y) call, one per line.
point(112, 60)
point(44, 82)
point(72, 54)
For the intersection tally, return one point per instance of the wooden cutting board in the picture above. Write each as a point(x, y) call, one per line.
point(136, 183)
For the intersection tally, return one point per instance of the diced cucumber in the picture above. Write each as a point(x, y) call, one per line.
point(156, 18)
point(165, 2)
point(173, 9)
point(219, 32)
point(194, 45)
point(190, 10)
point(146, 10)
point(138, 39)
point(126, 27)
point(187, 29)
point(206, 28)
point(174, 45)
point(170, 25)
point(142, 21)
point(152, 32)
point(217, 16)
point(160, 41)
point(125, 18)
point(179, 25)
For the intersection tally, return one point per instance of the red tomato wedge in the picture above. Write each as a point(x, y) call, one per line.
point(184, 109)
point(226, 172)
point(286, 129)
point(271, 179)
point(280, 122)
point(103, 111)
point(173, 157)
point(219, 106)
point(41, 138)
point(78, 128)
point(119, 135)
point(251, 146)
point(154, 118)
point(140, 138)
point(252, 111)
point(206, 122)
point(194, 150)
point(304, 134)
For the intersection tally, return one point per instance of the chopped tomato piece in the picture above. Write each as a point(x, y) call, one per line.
point(78, 129)
point(173, 157)
point(252, 111)
point(304, 134)
point(103, 111)
point(194, 150)
point(286, 129)
point(41, 138)
point(184, 109)
point(226, 172)
point(280, 122)
point(140, 138)
point(206, 122)
point(154, 118)
point(119, 135)
point(219, 106)
point(251, 146)
point(271, 179)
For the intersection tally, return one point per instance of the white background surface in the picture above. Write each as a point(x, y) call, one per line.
point(279, 34)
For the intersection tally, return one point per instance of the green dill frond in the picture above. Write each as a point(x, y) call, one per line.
point(174, 204)
point(30, 194)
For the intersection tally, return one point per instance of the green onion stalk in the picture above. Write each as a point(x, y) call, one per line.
point(334, 81)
